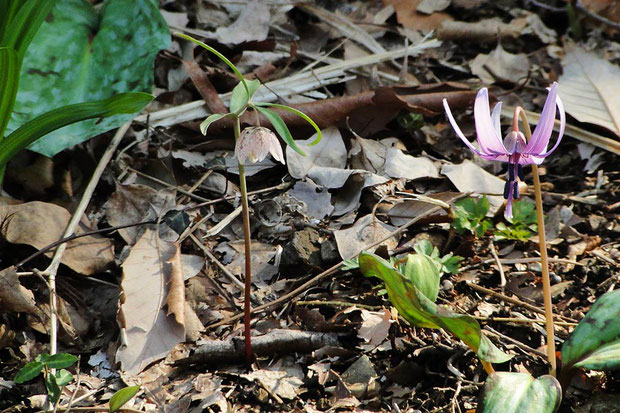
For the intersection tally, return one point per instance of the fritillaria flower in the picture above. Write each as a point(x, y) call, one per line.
point(513, 149)
point(255, 143)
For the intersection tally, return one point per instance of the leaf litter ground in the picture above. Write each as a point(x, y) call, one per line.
point(337, 345)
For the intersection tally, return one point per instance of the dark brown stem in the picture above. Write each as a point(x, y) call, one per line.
point(247, 310)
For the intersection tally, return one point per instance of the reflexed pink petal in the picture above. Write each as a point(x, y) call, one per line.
point(489, 140)
point(458, 131)
point(495, 117)
point(541, 135)
point(562, 126)
point(508, 210)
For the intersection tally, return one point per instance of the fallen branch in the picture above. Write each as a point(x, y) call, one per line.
point(277, 341)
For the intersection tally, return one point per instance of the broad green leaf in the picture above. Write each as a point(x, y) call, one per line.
point(520, 393)
point(319, 134)
point(424, 274)
point(9, 80)
point(122, 396)
point(63, 377)
point(209, 120)
point(29, 372)
point(61, 361)
point(23, 23)
point(595, 342)
point(280, 127)
point(239, 97)
point(51, 121)
point(80, 55)
point(417, 309)
point(53, 389)
point(42, 357)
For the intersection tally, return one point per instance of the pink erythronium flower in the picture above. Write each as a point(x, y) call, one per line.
point(513, 148)
point(255, 143)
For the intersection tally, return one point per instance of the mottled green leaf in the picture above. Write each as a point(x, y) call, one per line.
point(122, 396)
point(280, 127)
point(61, 361)
point(81, 55)
point(209, 120)
point(239, 97)
point(417, 309)
point(520, 393)
point(29, 372)
point(50, 121)
point(595, 342)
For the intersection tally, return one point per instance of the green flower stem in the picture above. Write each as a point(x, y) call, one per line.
point(248, 253)
point(542, 243)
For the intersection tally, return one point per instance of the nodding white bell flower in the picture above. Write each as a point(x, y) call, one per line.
point(255, 143)
point(513, 149)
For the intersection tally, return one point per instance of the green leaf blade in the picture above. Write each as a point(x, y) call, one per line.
point(520, 393)
point(29, 372)
point(280, 126)
point(242, 95)
point(63, 377)
point(209, 120)
point(61, 361)
point(9, 80)
point(122, 396)
point(58, 118)
point(319, 134)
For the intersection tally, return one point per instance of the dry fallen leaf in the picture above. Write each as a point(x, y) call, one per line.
point(149, 333)
point(175, 301)
point(408, 15)
point(39, 224)
point(500, 65)
point(13, 296)
point(375, 327)
point(352, 241)
point(592, 79)
point(285, 381)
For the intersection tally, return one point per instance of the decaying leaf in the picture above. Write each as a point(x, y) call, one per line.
point(285, 381)
point(590, 78)
point(375, 328)
point(352, 241)
point(14, 296)
point(469, 177)
point(39, 224)
point(175, 301)
point(500, 65)
point(149, 333)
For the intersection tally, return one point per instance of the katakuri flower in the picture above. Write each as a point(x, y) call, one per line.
point(513, 149)
point(255, 143)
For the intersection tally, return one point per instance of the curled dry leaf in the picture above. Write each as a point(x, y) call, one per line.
point(39, 224)
point(148, 332)
point(14, 296)
point(500, 65)
point(176, 293)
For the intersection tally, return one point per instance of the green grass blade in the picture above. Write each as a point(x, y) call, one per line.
point(66, 115)
point(9, 81)
point(298, 113)
point(25, 24)
point(8, 9)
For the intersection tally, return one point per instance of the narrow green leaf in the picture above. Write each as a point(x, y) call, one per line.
point(595, 342)
point(61, 361)
point(29, 372)
point(280, 127)
point(55, 119)
point(220, 56)
point(25, 24)
point(299, 113)
point(9, 81)
point(122, 396)
point(209, 120)
point(417, 309)
point(63, 377)
point(242, 95)
point(53, 389)
point(520, 393)
point(8, 10)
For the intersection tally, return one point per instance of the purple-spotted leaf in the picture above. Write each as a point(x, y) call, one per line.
point(595, 343)
point(406, 294)
point(520, 393)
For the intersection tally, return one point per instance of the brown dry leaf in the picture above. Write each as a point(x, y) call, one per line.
point(13, 296)
point(39, 224)
point(609, 9)
point(149, 334)
point(589, 78)
point(500, 65)
point(469, 177)
point(352, 241)
point(251, 25)
point(176, 293)
point(375, 327)
point(136, 203)
point(403, 212)
point(580, 248)
point(284, 379)
point(408, 16)
point(205, 87)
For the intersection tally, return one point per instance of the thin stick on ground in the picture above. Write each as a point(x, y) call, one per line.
point(542, 243)
point(52, 268)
